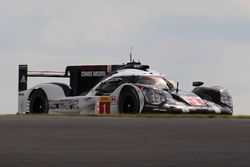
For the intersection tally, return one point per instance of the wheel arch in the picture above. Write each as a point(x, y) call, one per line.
point(138, 91)
point(52, 91)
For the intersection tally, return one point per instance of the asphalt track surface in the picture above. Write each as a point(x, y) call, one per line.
point(101, 141)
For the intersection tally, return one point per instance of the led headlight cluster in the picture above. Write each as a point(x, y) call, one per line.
point(154, 96)
point(226, 99)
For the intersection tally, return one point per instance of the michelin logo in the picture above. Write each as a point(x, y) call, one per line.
point(93, 73)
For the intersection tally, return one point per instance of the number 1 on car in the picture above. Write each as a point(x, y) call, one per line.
point(104, 105)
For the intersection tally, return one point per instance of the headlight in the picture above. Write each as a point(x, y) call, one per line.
point(154, 96)
point(226, 99)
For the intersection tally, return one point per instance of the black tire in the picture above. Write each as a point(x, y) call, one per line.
point(129, 101)
point(38, 102)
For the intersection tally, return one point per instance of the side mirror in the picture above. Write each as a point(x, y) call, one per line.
point(197, 83)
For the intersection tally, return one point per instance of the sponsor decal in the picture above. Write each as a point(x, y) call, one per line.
point(93, 73)
point(23, 79)
point(21, 94)
point(104, 105)
point(113, 100)
point(105, 99)
point(195, 101)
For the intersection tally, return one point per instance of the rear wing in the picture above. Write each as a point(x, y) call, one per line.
point(24, 74)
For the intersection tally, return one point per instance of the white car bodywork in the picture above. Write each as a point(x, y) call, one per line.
point(165, 100)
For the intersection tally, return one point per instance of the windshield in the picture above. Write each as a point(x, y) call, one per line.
point(156, 81)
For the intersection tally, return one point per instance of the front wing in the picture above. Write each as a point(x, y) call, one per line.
point(183, 108)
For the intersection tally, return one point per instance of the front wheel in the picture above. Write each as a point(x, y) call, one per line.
point(129, 101)
point(38, 102)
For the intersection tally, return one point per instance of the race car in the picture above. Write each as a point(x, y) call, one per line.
point(114, 89)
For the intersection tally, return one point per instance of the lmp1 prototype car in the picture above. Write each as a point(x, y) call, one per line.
point(114, 89)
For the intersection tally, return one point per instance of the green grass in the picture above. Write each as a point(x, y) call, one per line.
point(151, 116)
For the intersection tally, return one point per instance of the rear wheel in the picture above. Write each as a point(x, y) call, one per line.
point(38, 102)
point(129, 101)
